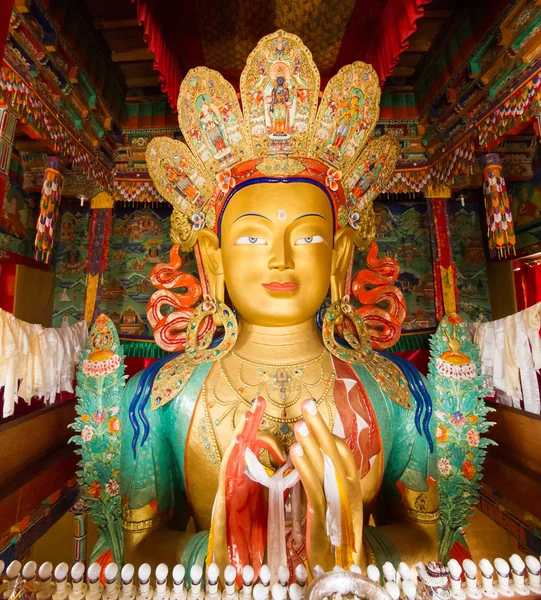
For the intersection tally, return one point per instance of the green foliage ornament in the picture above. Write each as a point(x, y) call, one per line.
point(460, 411)
point(100, 384)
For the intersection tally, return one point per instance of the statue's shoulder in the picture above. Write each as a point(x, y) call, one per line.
point(162, 381)
point(392, 379)
point(172, 377)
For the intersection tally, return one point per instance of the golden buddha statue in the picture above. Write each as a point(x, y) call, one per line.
point(277, 431)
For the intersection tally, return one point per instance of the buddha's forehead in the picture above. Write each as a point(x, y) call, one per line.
point(278, 202)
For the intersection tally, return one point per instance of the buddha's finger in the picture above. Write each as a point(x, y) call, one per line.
point(267, 441)
point(309, 480)
point(348, 460)
point(323, 436)
point(310, 448)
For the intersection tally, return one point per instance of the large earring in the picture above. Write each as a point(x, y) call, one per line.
point(360, 348)
point(201, 351)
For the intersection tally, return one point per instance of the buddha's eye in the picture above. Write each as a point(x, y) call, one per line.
point(313, 239)
point(246, 240)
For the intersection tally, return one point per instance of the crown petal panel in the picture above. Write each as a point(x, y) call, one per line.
point(347, 115)
point(211, 121)
point(372, 171)
point(279, 88)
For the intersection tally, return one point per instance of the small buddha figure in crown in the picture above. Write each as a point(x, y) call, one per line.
point(277, 430)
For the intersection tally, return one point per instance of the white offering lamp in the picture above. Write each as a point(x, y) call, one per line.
point(279, 592)
point(45, 577)
point(179, 572)
point(455, 574)
point(78, 587)
point(260, 593)
point(404, 571)
point(196, 577)
point(111, 587)
point(372, 572)
point(301, 575)
point(518, 571)
point(143, 574)
point(470, 571)
point(29, 571)
point(389, 572)
point(213, 574)
point(534, 573)
point(295, 592)
point(95, 589)
point(356, 569)
point(283, 575)
point(264, 578)
point(230, 575)
point(161, 592)
point(502, 568)
point(409, 589)
point(126, 575)
point(393, 590)
point(247, 581)
point(487, 578)
point(317, 571)
point(61, 580)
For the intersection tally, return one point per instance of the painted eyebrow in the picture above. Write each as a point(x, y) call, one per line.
point(310, 215)
point(251, 215)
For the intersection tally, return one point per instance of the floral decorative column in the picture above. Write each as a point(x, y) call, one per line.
point(445, 287)
point(501, 231)
point(102, 211)
point(8, 121)
point(51, 194)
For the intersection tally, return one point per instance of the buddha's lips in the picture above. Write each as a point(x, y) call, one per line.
point(276, 286)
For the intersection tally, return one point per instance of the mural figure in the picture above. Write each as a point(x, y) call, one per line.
point(212, 128)
point(179, 181)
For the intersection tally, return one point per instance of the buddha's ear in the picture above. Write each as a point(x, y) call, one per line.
point(344, 246)
point(209, 245)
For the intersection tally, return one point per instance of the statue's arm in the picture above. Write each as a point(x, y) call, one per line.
point(146, 467)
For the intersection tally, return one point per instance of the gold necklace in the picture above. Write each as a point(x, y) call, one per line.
point(281, 427)
point(281, 385)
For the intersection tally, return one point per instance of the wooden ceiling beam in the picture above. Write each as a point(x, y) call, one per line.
point(402, 71)
point(137, 82)
point(442, 13)
point(137, 55)
point(418, 46)
point(116, 23)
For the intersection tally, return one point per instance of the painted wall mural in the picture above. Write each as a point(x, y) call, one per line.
point(469, 254)
point(71, 250)
point(139, 239)
point(402, 232)
point(18, 215)
point(525, 199)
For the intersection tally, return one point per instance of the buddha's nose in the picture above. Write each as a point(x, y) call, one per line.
point(281, 257)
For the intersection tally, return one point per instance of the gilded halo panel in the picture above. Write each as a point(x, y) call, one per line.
point(279, 89)
point(179, 176)
point(211, 121)
point(347, 115)
point(372, 171)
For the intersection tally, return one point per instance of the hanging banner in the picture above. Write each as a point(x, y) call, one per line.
point(51, 194)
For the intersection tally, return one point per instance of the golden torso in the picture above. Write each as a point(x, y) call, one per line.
point(227, 394)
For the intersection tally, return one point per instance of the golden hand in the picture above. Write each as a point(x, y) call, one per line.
point(315, 439)
point(239, 518)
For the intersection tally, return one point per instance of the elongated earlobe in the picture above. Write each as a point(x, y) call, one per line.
point(211, 254)
point(344, 247)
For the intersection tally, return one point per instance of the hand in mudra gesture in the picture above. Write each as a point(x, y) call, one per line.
point(239, 517)
point(314, 439)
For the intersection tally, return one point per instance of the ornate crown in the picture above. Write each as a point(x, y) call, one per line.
point(282, 134)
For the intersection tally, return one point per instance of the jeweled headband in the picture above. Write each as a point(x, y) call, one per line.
point(282, 134)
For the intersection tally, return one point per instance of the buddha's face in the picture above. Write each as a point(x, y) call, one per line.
point(277, 252)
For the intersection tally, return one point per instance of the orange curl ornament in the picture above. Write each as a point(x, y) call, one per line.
point(383, 308)
point(170, 329)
